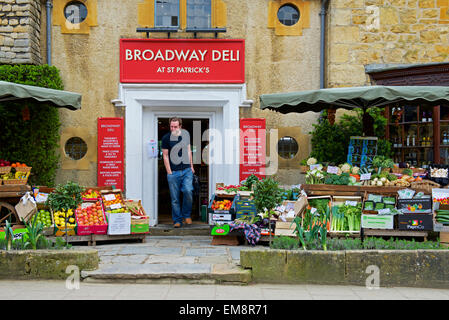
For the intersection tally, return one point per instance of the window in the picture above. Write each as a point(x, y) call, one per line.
point(167, 13)
point(75, 148)
point(75, 12)
point(287, 147)
point(199, 14)
point(288, 15)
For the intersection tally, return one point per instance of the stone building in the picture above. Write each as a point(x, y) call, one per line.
point(282, 53)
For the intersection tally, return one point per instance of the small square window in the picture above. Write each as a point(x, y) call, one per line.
point(199, 14)
point(167, 13)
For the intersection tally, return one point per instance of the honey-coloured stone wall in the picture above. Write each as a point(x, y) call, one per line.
point(362, 32)
point(20, 23)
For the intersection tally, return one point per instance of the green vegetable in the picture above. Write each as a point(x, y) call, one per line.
point(347, 218)
point(408, 172)
point(382, 162)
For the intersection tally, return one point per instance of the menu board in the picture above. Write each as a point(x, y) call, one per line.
point(119, 223)
point(252, 148)
point(110, 152)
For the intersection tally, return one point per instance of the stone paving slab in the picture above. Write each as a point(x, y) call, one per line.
point(173, 257)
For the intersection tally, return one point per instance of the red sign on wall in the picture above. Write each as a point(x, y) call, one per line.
point(110, 152)
point(252, 148)
point(182, 61)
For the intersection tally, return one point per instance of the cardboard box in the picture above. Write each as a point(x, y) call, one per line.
point(245, 208)
point(298, 207)
point(285, 229)
point(415, 222)
point(140, 225)
point(444, 237)
point(87, 230)
point(374, 221)
point(415, 205)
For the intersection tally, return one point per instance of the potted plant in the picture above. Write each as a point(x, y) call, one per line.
point(64, 198)
point(267, 196)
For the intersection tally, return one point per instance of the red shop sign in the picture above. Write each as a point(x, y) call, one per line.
point(182, 61)
point(252, 148)
point(110, 152)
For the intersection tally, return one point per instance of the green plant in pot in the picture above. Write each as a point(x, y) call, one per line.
point(65, 197)
point(267, 196)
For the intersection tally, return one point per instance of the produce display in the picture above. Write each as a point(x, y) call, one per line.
point(346, 217)
point(442, 216)
point(135, 208)
point(224, 205)
point(317, 212)
point(377, 176)
point(375, 202)
point(65, 219)
point(90, 194)
point(90, 214)
point(4, 163)
point(44, 217)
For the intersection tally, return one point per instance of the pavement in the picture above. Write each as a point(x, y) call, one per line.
point(170, 259)
point(57, 290)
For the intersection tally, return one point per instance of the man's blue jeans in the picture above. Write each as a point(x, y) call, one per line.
point(181, 181)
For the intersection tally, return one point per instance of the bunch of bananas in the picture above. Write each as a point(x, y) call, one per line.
point(8, 176)
point(21, 175)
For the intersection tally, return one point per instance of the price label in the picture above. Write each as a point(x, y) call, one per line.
point(315, 166)
point(331, 169)
point(314, 211)
point(116, 206)
point(384, 211)
point(365, 176)
point(351, 203)
point(109, 197)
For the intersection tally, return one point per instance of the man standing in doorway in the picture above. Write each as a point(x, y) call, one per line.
point(178, 162)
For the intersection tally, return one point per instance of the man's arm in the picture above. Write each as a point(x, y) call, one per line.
point(191, 158)
point(166, 160)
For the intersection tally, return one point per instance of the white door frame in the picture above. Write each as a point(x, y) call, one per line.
point(183, 115)
point(143, 102)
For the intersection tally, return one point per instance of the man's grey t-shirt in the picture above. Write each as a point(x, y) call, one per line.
point(177, 147)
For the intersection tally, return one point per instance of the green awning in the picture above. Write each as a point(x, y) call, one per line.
point(353, 97)
point(13, 91)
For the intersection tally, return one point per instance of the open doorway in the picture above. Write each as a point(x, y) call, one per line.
point(201, 199)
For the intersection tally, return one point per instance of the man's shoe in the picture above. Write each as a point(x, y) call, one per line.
point(188, 220)
point(177, 225)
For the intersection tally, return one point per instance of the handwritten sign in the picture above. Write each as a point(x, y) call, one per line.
point(351, 203)
point(331, 169)
point(365, 176)
point(110, 152)
point(119, 223)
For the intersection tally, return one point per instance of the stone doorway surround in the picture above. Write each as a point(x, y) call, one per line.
point(144, 103)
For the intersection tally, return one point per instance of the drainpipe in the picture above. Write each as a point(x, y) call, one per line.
point(49, 6)
point(323, 12)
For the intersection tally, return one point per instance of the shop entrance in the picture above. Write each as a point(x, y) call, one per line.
point(196, 128)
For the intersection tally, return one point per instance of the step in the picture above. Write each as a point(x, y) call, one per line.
point(185, 230)
point(170, 273)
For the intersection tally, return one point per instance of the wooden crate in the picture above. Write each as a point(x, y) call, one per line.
point(444, 237)
point(285, 229)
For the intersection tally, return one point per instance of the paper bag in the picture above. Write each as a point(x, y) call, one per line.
point(26, 207)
